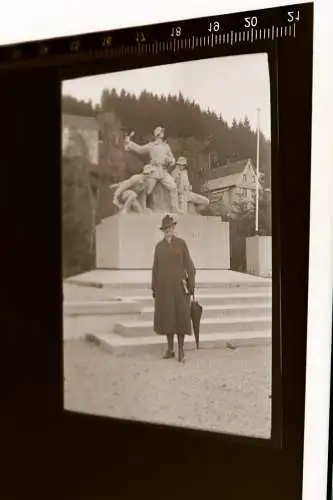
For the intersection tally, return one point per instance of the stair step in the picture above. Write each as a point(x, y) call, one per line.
point(220, 311)
point(217, 298)
point(156, 344)
point(107, 307)
point(145, 328)
point(91, 293)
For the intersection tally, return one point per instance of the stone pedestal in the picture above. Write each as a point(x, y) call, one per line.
point(259, 255)
point(127, 241)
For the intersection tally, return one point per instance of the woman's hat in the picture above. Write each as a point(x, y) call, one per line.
point(167, 221)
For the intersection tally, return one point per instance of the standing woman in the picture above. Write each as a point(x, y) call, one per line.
point(173, 282)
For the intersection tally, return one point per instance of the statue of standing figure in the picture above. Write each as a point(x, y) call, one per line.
point(162, 172)
point(188, 201)
point(161, 160)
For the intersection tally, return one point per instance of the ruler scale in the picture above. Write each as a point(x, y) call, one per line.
point(230, 38)
point(230, 31)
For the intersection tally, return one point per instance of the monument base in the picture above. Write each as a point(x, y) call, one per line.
point(127, 241)
point(259, 255)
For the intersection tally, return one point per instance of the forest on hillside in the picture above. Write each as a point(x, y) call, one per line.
point(204, 137)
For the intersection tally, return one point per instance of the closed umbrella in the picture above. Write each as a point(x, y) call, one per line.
point(196, 313)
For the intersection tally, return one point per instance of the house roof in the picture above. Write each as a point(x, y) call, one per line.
point(222, 182)
point(226, 176)
point(86, 122)
point(229, 169)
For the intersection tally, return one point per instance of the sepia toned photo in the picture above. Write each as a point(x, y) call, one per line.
point(167, 245)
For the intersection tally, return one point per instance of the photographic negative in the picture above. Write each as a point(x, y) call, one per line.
point(167, 244)
point(204, 236)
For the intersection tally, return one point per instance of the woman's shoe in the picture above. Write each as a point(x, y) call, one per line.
point(181, 357)
point(169, 355)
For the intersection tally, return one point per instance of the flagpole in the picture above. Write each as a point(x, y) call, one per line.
point(257, 173)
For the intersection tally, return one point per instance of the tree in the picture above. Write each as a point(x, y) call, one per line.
point(72, 106)
point(112, 157)
point(77, 216)
point(246, 123)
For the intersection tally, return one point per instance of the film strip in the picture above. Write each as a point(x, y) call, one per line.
point(220, 31)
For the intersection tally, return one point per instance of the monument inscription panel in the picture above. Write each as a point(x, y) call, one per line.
point(127, 241)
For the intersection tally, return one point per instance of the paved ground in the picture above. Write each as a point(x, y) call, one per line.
point(216, 389)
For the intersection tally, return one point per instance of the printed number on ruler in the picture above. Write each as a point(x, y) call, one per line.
point(140, 37)
point(214, 27)
point(293, 16)
point(251, 22)
point(107, 41)
point(176, 31)
point(75, 45)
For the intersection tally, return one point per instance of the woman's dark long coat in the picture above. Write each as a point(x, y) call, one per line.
point(172, 264)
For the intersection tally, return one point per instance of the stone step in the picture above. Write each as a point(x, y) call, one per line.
point(108, 284)
point(144, 306)
point(206, 297)
point(220, 311)
point(74, 293)
point(145, 328)
point(138, 278)
point(123, 346)
point(217, 299)
point(106, 307)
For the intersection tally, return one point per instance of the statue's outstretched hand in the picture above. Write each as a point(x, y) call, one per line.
point(128, 138)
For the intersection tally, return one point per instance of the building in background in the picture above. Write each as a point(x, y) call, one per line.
point(231, 183)
point(80, 136)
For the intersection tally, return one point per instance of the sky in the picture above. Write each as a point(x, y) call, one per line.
point(234, 86)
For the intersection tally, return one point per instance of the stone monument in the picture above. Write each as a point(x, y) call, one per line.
point(127, 240)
